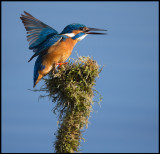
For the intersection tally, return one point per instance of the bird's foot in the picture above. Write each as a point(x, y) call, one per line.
point(60, 64)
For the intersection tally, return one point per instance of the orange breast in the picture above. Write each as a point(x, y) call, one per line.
point(59, 52)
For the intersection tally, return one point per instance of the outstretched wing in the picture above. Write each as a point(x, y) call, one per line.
point(37, 31)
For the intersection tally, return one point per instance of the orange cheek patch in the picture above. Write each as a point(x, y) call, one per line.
point(76, 31)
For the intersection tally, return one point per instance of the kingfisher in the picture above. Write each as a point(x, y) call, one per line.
point(51, 47)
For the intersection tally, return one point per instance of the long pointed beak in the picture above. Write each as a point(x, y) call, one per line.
point(94, 29)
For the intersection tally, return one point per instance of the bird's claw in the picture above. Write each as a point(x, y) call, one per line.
point(60, 64)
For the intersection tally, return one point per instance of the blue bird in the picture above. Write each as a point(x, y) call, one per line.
point(52, 48)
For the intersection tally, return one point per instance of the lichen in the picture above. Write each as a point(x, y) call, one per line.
point(71, 88)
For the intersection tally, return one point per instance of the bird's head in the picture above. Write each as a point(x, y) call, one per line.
point(79, 31)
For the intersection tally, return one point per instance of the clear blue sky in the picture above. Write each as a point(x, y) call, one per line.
point(127, 120)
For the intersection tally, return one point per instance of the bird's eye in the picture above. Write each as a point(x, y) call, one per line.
point(81, 28)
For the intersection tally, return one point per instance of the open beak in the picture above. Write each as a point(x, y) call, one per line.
point(88, 31)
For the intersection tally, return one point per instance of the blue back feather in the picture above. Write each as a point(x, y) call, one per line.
point(43, 36)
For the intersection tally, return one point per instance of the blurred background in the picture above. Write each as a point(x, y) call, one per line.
point(127, 120)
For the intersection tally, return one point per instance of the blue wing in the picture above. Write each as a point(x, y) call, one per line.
point(45, 45)
point(37, 31)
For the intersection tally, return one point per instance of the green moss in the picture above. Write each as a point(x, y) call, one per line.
point(71, 88)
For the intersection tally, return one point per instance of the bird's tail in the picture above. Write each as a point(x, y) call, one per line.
point(32, 57)
point(38, 79)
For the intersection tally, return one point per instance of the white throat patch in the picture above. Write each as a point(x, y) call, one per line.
point(82, 37)
point(69, 34)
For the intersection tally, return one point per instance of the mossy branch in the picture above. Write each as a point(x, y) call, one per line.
point(72, 89)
